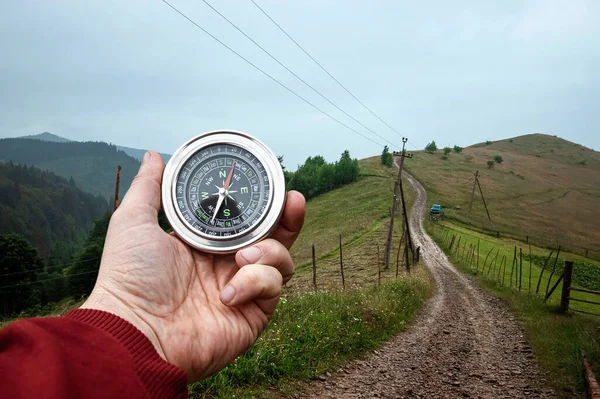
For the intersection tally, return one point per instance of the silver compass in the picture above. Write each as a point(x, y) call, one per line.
point(222, 191)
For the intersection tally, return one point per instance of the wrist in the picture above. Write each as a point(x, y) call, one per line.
point(102, 300)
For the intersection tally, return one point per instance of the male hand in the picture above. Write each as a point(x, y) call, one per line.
point(200, 311)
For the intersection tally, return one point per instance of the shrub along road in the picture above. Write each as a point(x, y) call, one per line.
point(465, 343)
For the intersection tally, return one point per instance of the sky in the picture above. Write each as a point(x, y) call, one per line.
point(137, 74)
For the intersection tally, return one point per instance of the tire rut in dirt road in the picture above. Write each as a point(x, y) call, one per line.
point(464, 344)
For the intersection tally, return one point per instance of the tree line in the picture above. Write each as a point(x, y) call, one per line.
point(316, 176)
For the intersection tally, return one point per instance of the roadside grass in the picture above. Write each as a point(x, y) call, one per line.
point(541, 190)
point(312, 333)
point(555, 337)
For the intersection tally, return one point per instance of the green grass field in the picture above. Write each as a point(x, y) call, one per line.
point(545, 188)
point(556, 338)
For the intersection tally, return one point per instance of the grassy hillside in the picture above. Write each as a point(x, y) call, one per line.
point(360, 213)
point(546, 188)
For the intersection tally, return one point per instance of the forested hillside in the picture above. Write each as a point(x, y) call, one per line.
point(92, 165)
point(52, 213)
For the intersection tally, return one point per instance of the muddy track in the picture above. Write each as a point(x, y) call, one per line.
point(464, 344)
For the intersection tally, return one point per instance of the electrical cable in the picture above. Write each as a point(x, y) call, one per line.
point(47, 279)
point(267, 75)
point(294, 74)
point(323, 68)
point(61, 266)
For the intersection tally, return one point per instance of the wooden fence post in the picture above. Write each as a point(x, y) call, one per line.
point(512, 269)
point(486, 258)
point(566, 288)
point(378, 269)
point(314, 264)
point(520, 267)
point(398, 255)
point(537, 290)
point(504, 271)
point(477, 266)
point(342, 265)
point(529, 285)
point(553, 270)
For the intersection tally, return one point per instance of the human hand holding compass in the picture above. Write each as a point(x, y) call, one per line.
point(199, 310)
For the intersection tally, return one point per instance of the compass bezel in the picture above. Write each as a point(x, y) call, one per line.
point(215, 244)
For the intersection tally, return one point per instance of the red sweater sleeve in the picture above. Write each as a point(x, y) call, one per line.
point(84, 354)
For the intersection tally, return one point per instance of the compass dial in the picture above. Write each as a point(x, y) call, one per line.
point(223, 190)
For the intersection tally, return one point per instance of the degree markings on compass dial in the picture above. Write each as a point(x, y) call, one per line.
point(197, 190)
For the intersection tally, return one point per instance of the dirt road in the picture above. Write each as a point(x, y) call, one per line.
point(464, 344)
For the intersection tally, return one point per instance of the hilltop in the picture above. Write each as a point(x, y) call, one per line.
point(546, 188)
point(132, 152)
point(92, 165)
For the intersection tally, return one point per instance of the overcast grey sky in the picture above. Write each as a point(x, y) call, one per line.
point(137, 74)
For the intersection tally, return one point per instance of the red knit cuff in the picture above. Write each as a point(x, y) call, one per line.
point(160, 378)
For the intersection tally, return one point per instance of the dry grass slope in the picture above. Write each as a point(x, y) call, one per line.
point(546, 188)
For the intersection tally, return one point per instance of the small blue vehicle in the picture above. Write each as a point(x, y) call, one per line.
point(436, 212)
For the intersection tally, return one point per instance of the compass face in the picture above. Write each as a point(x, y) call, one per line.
point(223, 190)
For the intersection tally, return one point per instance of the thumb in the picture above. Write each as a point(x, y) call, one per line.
point(144, 193)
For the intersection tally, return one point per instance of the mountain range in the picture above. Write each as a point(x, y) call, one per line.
point(92, 165)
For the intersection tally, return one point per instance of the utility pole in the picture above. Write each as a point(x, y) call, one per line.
point(116, 204)
point(397, 185)
point(473, 192)
point(483, 198)
point(476, 182)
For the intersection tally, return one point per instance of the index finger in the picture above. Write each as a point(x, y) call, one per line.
point(292, 219)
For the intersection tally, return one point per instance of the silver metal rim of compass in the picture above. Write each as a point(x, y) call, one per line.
point(275, 204)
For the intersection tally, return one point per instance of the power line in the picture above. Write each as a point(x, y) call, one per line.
point(61, 266)
point(267, 75)
point(413, 146)
point(323, 68)
point(294, 74)
point(47, 279)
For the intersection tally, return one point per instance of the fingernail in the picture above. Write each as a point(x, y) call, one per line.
point(146, 157)
point(252, 254)
point(227, 294)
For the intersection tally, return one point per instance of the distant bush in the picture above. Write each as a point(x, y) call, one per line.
point(457, 149)
point(488, 142)
point(386, 157)
point(445, 157)
point(510, 141)
point(583, 162)
point(498, 159)
point(431, 147)
point(468, 158)
point(490, 164)
point(447, 150)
